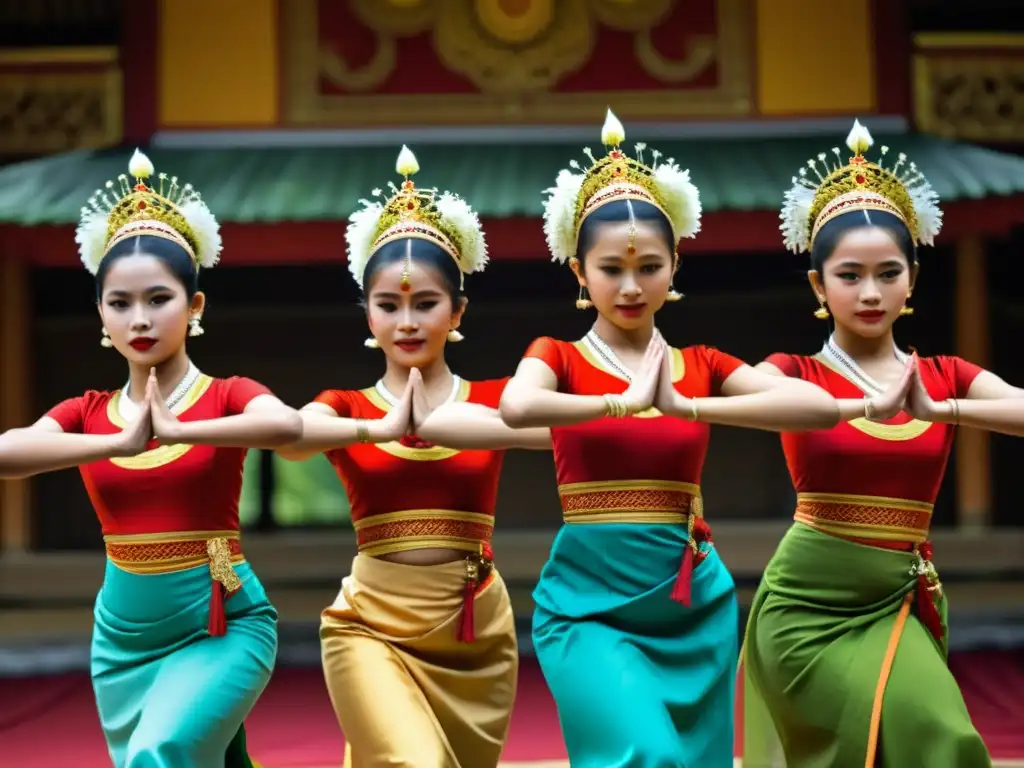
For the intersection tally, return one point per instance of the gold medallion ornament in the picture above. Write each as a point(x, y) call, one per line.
point(167, 209)
point(442, 218)
point(578, 192)
point(858, 185)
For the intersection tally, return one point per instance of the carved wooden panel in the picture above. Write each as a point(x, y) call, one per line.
point(58, 100)
point(970, 87)
point(400, 62)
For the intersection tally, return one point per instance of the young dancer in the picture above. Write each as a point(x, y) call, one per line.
point(635, 623)
point(846, 642)
point(419, 648)
point(184, 638)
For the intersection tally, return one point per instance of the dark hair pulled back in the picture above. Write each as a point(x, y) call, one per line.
point(618, 212)
point(830, 235)
point(174, 257)
point(422, 252)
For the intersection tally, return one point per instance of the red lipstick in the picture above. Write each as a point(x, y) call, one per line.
point(630, 310)
point(142, 343)
point(871, 315)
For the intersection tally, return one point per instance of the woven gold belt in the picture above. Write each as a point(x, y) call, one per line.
point(630, 501)
point(867, 517)
point(423, 529)
point(151, 553)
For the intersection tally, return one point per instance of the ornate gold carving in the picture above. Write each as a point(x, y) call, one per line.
point(515, 22)
point(44, 112)
point(970, 86)
point(497, 65)
point(334, 67)
point(701, 54)
point(514, 51)
point(971, 98)
point(630, 15)
point(396, 18)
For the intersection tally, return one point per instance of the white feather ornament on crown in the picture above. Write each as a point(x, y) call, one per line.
point(177, 213)
point(560, 215)
point(359, 237)
point(462, 219)
point(680, 197)
point(900, 189)
point(206, 229)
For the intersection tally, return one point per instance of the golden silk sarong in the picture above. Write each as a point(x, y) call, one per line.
point(404, 689)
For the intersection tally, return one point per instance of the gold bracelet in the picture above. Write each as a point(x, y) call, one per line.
point(694, 416)
point(615, 406)
point(362, 431)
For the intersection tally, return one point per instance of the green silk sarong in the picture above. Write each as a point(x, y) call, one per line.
point(819, 641)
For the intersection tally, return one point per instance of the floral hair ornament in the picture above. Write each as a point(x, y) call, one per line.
point(858, 185)
point(125, 209)
point(444, 219)
point(578, 192)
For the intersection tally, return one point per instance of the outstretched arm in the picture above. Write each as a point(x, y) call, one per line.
point(469, 426)
point(532, 398)
point(266, 422)
point(991, 404)
point(755, 399)
point(324, 429)
point(45, 447)
point(878, 408)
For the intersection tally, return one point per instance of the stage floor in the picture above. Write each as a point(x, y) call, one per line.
point(51, 722)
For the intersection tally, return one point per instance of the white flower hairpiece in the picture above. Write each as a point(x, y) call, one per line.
point(858, 184)
point(174, 212)
point(443, 218)
point(663, 184)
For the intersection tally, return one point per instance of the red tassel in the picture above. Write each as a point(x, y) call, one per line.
point(218, 622)
point(467, 624)
point(699, 531)
point(926, 609)
point(684, 579)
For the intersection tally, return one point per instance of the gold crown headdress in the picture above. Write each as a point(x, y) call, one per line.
point(858, 185)
point(578, 193)
point(176, 213)
point(444, 219)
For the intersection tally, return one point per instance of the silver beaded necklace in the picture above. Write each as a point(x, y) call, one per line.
point(128, 410)
point(834, 354)
point(598, 347)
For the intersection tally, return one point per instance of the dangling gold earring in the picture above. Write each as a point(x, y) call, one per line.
point(821, 313)
point(105, 341)
point(673, 295)
point(581, 301)
point(194, 328)
point(454, 336)
point(371, 343)
point(905, 310)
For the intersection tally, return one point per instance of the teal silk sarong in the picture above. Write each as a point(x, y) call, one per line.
point(168, 694)
point(640, 680)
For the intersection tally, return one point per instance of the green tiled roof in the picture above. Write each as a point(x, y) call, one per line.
point(310, 184)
